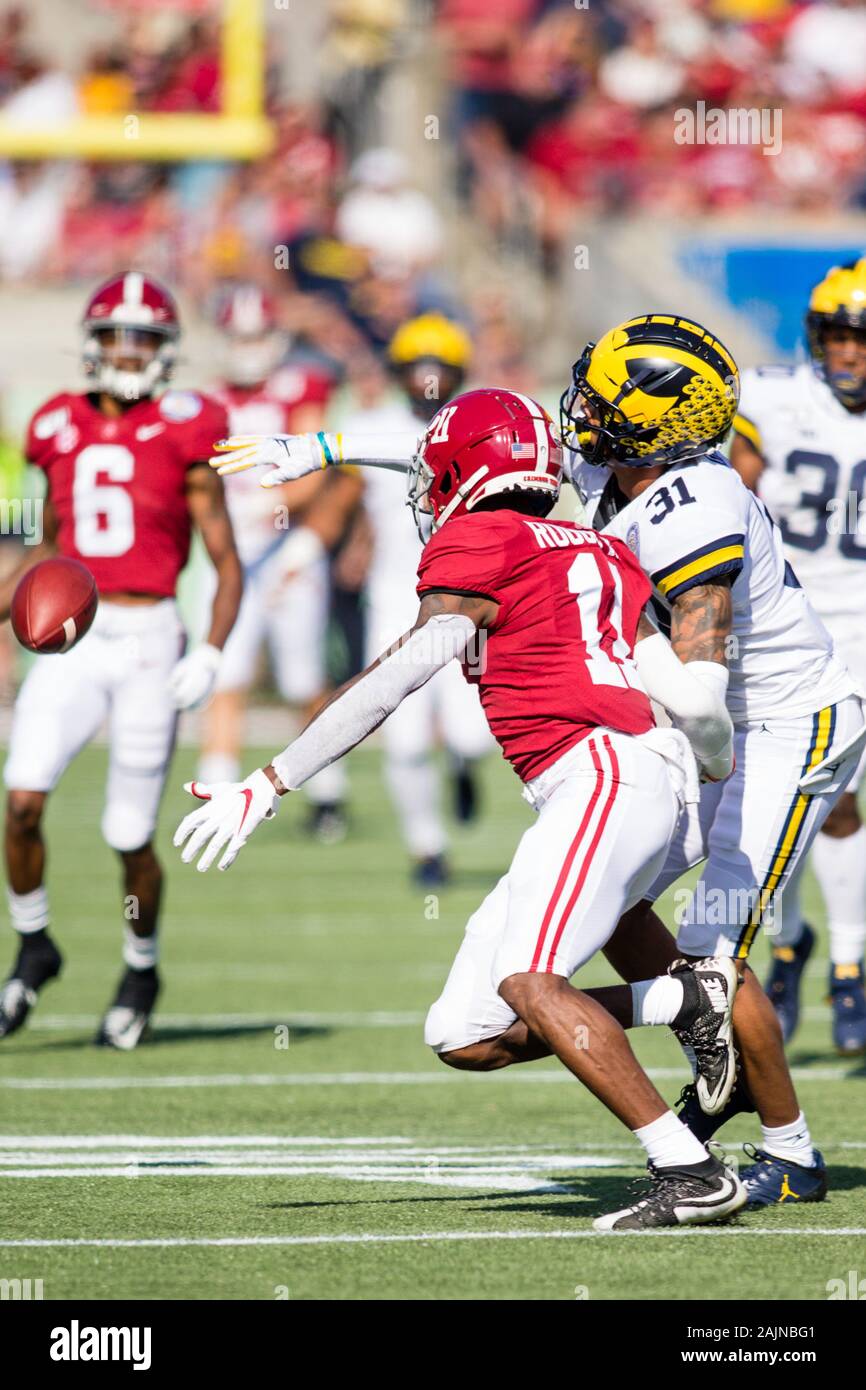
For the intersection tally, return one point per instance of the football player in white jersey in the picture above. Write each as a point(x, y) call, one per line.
point(281, 545)
point(800, 443)
point(428, 357)
point(646, 407)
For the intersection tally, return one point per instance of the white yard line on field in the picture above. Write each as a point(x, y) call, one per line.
point(376, 1019)
point(234, 1242)
point(474, 1166)
point(448, 1076)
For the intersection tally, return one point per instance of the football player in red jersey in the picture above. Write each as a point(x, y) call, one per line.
point(126, 482)
point(285, 558)
point(544, 617)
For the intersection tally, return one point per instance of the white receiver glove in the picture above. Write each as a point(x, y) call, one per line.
point(230, 814)
point(193, 677)
point(289, 456)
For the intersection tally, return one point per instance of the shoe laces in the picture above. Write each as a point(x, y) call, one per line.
point(686, 1095)
point(655, 1196)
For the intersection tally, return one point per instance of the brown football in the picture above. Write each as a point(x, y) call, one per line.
point(54, 605)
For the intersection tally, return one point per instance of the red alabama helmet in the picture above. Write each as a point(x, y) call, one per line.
point(130, 319)
point(254, 344)
point(480, 445)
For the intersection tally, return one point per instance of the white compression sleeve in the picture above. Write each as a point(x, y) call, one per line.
point(367, 703)
point(693, 694)
point(371, 450)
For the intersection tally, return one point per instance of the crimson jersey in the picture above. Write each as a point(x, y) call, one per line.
point(270, 408)
point(118, 486)
point(557, 663)
point(267, 409)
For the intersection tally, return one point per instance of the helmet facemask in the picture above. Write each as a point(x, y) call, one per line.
point(419, 481)
point(605, 437)
point(251, 359)
point(428, 383)
point(132, 364)
point(848, 386)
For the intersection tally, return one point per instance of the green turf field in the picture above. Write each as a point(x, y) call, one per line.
point(349, 1163)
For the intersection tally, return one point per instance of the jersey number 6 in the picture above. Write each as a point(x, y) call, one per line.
point(104, 518)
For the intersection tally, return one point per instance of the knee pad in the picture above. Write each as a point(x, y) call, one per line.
point(125, 827)
point(436, 1029)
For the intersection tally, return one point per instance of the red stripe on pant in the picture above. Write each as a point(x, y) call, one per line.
point(590, 853)
point(569, 858)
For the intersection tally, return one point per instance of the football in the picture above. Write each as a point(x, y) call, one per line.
point(54, 605)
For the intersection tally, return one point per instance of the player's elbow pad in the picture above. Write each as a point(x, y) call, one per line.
point(693, 694)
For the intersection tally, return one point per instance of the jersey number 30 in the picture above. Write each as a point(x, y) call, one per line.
point(104, 517)
point(821, 501)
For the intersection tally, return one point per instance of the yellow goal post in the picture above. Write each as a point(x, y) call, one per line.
point(239, 130)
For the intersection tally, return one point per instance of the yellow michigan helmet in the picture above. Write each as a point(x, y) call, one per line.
point(838, 301)
point(660, 389)
point(430, 337)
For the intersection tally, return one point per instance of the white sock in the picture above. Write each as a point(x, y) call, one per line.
point(656, 1001)
point(669, 1144)
point(29, 911)
point(327, 787)
point(140, 952)
point(840, 867)
point(414, 787)
point(218, 767)
point(792, 1142)
point(787, 918)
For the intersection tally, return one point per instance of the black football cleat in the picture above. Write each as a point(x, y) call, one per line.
point(770, 1180)
point(782, 985)
point(38, 962)
point(704, 1026)
point(327, 823)
point(127, 1020)
point(692, 1195)
point(703, 1126)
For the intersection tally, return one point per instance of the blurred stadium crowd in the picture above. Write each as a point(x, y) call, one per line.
point(550, 107)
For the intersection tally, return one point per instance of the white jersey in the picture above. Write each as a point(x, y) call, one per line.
point(397, 547)
point(697, 523)
point(814, 483)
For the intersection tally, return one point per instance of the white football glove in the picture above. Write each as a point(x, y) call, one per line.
point(231, 813)
point(193, 677)
point(289, 456)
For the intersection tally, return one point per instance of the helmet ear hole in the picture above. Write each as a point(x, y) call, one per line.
point(447, 481)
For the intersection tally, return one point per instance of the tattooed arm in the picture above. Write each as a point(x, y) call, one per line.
point(701, 623)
